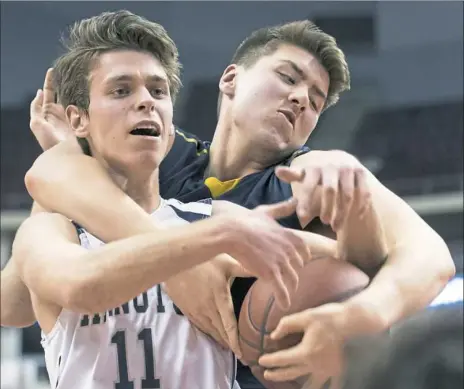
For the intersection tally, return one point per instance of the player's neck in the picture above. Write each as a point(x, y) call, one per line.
point(142, 188)
point(230, 154)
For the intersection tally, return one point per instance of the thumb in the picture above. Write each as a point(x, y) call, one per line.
point(36, 105)
point(279, 210)
point(289, 174)
point(236, 269)
point(231, 267)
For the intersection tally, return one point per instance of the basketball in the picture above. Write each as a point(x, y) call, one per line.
point(322, 280)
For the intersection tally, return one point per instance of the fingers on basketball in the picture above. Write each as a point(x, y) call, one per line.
point(229, 323)
point(282, 295)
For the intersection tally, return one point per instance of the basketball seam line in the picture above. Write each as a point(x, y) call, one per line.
point(263, 331)
point(255, 327)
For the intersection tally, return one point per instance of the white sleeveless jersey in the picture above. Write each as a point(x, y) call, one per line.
point(143, 344)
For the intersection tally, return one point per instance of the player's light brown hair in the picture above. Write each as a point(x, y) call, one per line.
point(306, 35)
point(109, 31)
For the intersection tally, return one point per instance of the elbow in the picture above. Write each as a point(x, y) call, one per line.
point(41, 175)
point(34, 179)
point(448, 269)
point(444, 266)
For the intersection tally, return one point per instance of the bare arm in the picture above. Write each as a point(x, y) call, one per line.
point(16, 308)
point(418, 266)
point(90, 281)
point(56, 180)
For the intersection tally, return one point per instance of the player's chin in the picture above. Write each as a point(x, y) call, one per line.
point(145, 160)
point(280, 140)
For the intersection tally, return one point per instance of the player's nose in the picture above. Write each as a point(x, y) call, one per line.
point(300, 100)
point(145, 102)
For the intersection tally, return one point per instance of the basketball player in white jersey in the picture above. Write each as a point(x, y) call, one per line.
point(106, 321)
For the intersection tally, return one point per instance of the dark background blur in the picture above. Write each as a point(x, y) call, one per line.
point(403, 117)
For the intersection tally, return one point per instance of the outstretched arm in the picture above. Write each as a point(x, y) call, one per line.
point(418, 266)
point(57, 269)
point(369, 218)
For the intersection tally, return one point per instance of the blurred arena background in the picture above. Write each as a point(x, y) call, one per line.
point(403, 117)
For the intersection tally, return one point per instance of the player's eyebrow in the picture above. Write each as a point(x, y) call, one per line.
point(128, 77)
point(302, 74)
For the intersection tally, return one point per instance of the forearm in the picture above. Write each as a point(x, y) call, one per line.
point(362, 241)
point(67, 182)
point(408, 282)
point(118, 272)
point(16, 308)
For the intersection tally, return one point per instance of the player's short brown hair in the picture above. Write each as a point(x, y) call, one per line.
point(308, 36)
point(88, 38)
point(109, 31)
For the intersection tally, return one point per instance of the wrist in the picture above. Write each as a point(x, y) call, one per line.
point(359, 319)
point(225, 233)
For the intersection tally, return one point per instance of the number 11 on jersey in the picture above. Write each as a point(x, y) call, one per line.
point(149, 382)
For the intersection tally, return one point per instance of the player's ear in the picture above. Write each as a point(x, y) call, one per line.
point(228, 80)
point(78, 121)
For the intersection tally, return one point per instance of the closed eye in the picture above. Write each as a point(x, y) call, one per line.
point(288, 79)
point(314, 105)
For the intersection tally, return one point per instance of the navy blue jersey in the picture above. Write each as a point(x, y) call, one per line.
point(182, 176)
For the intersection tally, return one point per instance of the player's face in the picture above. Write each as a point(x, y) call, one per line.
point(130, 111)
point(278, 101)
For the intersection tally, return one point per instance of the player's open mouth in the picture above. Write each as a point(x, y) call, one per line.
point(146, 131)
point(290, 116)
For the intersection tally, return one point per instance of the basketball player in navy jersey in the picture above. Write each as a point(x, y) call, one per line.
point(280, 81)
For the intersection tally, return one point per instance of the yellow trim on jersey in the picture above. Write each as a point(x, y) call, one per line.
point(192, 140)
point(218, 187)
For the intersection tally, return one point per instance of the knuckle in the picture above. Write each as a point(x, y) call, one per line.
point(268, 272)
point(347, 195)
point(276, 271)
point(329, 189)
point(316, 170)
point(345, 169)
point(230, 327)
